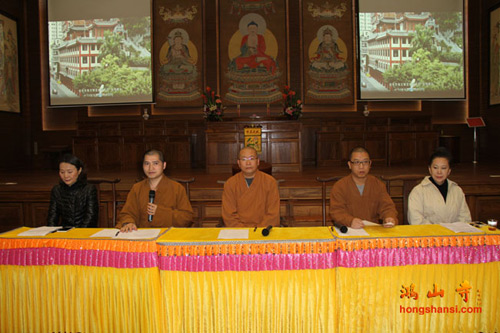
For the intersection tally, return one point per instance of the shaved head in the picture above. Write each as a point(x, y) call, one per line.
point(247, 150)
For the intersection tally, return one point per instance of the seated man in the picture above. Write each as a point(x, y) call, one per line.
point(251, 197)
point(171, 206)
point(360, 196)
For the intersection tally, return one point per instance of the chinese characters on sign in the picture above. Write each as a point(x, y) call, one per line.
point(253, 138)
point(463, 290)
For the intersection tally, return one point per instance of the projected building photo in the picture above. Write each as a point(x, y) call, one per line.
point(412, 55)
point(100, 60)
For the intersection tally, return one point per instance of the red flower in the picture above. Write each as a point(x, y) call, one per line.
point(208, 89)
point(299, 101)
point(284, 96)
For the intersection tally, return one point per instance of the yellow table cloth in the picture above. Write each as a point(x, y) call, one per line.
point(69, 282)
point(312, 279)
point(407, 278)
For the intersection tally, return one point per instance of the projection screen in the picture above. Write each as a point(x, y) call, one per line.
point(99, 52)
point(411, 49)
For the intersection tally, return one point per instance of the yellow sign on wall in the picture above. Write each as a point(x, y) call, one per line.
point(253, 138)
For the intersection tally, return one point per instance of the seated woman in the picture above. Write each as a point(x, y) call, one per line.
point(437, 199)
point(73, 202)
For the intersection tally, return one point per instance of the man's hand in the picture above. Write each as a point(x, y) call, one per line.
point(128, 227)
point(357, 223)
point(389, 222)
point(151, 208)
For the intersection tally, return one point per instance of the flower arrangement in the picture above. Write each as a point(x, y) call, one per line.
point(292, 105)
point(212, 105)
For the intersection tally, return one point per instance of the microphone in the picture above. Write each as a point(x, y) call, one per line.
point(343, 229)
point(267, 230)
point(151, 200)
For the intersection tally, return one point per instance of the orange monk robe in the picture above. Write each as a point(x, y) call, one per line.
point(346, 202)
point(174, 208)
point(254, 206)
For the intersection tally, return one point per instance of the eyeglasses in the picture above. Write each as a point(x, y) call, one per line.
point(250, 158)
point(358, 163)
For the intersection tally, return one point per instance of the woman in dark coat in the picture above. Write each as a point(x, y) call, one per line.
point(73, 202)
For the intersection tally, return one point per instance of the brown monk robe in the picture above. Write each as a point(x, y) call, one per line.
point(257, 205)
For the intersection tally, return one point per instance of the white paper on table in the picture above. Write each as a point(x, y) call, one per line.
point(233, 234)
point(461, 227)
point(352, 232)
point(40, 231)
point(139, 234)
point(106, 233)
point(371, 224)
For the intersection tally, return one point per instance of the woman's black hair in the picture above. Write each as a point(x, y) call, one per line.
point(76, 162)
point(441, 152)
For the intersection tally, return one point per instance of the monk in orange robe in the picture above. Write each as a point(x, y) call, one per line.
point(170, 207)
point(251, 197)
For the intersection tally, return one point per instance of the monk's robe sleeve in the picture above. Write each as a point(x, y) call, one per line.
point(230, 206)
point(338, 205)
point(179, 215)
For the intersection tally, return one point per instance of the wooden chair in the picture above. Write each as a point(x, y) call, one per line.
point(323, 182)
point(186, 183)
point(409, 182)
point(97, 182)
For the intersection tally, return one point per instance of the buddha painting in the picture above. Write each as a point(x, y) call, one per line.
point(178, 72)
point(253, 71)
point(328, 71)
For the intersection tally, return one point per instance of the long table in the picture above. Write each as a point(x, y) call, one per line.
point(407, 278)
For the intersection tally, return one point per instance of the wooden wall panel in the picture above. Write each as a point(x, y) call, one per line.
point(110, 150)
point(39, 212)
point(11, 215)
point(329, 150)
point(133, 150)
point(86, 149)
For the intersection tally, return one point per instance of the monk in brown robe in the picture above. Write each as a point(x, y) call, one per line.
point(360, 196)
point(251, 197)
point(171, 205)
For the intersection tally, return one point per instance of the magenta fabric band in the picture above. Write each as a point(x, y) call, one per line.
point(257, 262)
point(349, 259)
point(58, 256)
point(419, 256)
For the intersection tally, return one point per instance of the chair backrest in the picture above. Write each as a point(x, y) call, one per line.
point(323, 182)
point(113, 182)
point(186, 183)
point(409, 182)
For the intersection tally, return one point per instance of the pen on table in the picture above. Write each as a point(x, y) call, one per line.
point(117, 233)
point(254, 229)
point(331, 227)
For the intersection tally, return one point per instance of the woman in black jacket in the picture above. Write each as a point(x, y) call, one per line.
point(73, 202)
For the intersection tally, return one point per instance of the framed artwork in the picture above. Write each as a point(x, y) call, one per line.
point(178, 41)
point(253, 51)
point(9, 66)
point(328, 52)
point(495, 56)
